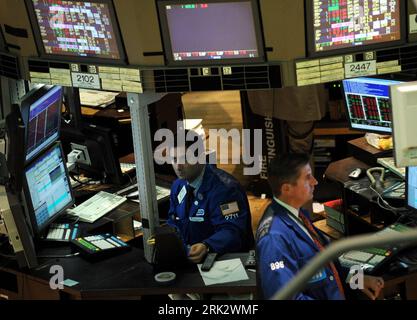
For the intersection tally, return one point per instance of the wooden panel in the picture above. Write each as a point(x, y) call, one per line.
point(140, 31)
point(36, 290)
point(327, 230)
point(219, 110)
point(283, 23)
point(14, 14)
point(257, 209)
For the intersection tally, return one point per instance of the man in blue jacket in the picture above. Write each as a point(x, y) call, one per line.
point(209, 208)
point(287, 240)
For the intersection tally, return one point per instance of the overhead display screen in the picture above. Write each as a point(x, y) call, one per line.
point(340, 24)
point(211, 31)
point(77, 28)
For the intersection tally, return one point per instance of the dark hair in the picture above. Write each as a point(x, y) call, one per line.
point(285, 168)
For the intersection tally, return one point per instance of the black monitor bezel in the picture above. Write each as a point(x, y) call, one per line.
point(71, 58)
point(101, 136)
point(309, 34)
point(27, 101)
point(28, 200)
point(350, 120)
point(166, 39)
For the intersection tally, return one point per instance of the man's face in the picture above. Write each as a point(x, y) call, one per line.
point(302, 190)
point(183, 169)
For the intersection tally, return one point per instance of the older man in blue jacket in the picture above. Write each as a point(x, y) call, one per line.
point(209, 208)
point(287, 240)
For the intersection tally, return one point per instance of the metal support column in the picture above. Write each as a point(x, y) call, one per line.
point(142, 142)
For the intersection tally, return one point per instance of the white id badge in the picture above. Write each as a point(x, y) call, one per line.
point(182, 194)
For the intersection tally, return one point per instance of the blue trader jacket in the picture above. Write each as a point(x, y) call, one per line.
point(219, 215)
point(283, 249)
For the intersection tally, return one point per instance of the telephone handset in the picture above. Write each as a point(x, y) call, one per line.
point(377, 183)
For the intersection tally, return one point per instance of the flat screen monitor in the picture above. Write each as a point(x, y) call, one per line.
point(99, 142)
point(411, 187)
point(41, 110)
point(211, 31)
point(47, 188)
point(404, 115)
point(77, 30)
point(368, 104)
point(338, 26)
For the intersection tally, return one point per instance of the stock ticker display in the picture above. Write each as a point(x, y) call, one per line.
point(368, 103)
point(345, 23)
point(76, 28)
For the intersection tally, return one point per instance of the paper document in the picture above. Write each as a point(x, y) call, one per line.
point(224, 271)
point(97, 206)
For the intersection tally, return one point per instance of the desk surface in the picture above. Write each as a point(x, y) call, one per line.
point(108, 112)
point(129, 275)
point(339, 170)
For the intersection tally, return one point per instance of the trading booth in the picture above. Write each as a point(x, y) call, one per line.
point(85, 85)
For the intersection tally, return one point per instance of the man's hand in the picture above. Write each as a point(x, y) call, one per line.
point(372, 286)
point(197, 252)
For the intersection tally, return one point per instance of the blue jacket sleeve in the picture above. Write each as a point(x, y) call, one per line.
point(276, 267)
point(230, 230)
point(172, 204)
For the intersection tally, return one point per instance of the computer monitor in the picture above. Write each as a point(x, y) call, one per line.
point(77, 30)
point(41, 111)
point(411, 187)
point(340, 26)
point(404, 115)
point(368, 104)
point(47, 188)
point(98, 146)
point(211, 32)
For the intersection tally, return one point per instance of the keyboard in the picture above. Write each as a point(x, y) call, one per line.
point(127, 167)
point(396, 191)
point(373, 259)
point(99, 246)
point(389, 163)
point(131, 192)
point(97, 206)
point(62, 232)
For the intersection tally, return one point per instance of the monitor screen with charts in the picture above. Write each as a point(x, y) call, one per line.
point(211, 31)
point(78, 29)
point(47, 188)
point(368, 104)
point(43, 111)
point(338, 26)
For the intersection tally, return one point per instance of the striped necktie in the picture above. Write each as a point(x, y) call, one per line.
point(316, 239)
